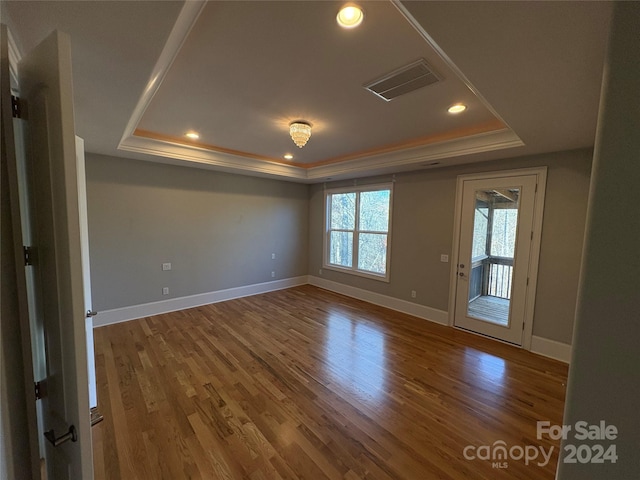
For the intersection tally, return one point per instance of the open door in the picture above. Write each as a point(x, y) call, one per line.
point(57, 309)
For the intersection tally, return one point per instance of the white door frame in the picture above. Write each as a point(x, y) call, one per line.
point(534, 257)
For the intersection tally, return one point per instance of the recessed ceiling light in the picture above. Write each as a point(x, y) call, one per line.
point(192, 135)
point(457, 108)
point(288, 156)
point(350, 16)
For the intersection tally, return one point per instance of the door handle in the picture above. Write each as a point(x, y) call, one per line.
point(56, 442)
point(91, 313)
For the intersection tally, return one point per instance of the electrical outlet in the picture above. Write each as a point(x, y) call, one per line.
point(413, 294)
point(273, 274)
point(444, 258)
point(166, 266)
point(273, 256)
point(165, 290)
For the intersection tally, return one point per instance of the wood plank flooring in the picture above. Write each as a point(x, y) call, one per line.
point(494, 309)
point(304, 383)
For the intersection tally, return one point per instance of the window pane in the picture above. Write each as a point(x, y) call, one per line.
point(372, 252)
point(341, 249)
point(480, 225)
point(343, 211)
point(374, 211)
point(503, 235)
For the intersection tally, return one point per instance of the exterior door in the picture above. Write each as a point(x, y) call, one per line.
point(50, 214)
point(495, 245)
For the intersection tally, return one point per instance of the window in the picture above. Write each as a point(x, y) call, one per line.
point(358, 223)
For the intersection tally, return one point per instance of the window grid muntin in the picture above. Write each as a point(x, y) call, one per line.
point(356, 232)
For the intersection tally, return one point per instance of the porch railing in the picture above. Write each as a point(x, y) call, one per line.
point(491, 276)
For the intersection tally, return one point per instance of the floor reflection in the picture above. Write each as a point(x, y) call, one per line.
point(489, 368)
point(355, 357)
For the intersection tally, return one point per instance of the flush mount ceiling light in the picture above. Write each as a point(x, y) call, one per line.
point(192, 135)
point(350, 16)
point(288, 156)
point(300, 133)
point(457, 108)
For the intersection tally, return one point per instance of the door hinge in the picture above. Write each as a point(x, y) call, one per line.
point(527, 281)
point(536, 190)
point(39, 390)
point(16, 107)
point(531, 235)
point(28, 256)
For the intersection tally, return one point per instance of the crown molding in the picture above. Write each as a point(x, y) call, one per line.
point(202, 156)
point(473, 144)
point(184, 23)
point(479, 143)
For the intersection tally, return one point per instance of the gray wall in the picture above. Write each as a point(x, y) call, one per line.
point(423, 218)
point(604, 378)
point(218, 230)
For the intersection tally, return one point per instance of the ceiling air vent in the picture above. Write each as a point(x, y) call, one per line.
point(403, 80)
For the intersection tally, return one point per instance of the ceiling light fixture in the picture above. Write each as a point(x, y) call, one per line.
point(457, 108)
point(288, 156)
point(192, 135)
point(300, 132)
point(350, 16)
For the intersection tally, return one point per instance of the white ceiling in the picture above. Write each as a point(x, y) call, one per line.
point(240, 72)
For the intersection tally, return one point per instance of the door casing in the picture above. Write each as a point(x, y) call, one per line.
point(534, 257)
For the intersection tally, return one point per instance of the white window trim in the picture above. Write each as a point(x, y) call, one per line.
point(325, 241)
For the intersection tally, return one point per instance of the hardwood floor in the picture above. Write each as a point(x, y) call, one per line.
point(304, 383)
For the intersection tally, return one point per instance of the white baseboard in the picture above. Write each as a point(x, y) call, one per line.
point(421, 311)
point(542, 346)
point(124, 314)
point(551, 348)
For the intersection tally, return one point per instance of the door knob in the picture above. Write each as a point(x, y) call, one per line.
point(462, 265)
point(91, 313)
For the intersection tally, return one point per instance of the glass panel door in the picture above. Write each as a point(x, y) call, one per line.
point(493, 258)
point(493, 248)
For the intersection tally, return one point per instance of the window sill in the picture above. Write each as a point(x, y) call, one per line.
point(357, 273)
